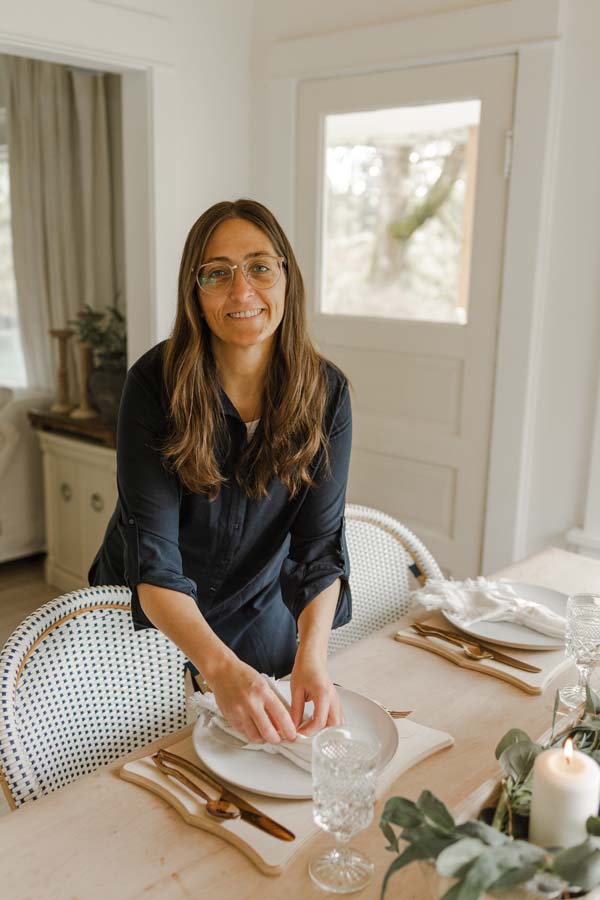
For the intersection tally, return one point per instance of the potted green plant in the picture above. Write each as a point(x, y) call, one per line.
point(105, 331)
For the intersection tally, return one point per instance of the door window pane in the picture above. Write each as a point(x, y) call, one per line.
point(398, 207)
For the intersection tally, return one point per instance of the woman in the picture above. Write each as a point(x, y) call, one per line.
point(232, 456)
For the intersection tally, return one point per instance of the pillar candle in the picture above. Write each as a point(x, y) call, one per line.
point(565, 791)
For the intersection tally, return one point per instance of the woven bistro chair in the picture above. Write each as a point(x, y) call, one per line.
point(79, 689)
point(387, 561)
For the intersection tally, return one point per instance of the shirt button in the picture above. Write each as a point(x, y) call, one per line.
point(213, 589)
point(131, 520)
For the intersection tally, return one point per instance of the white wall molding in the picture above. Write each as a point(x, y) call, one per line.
point(75, 54)
point(587, 539)
point(443, 37)
point(113, 34)
point(522, 305)
point(155, 9)
point(148, 102)
point(584, 542)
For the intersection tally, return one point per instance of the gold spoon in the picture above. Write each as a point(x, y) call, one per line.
point(471, 650)
point(219, 809)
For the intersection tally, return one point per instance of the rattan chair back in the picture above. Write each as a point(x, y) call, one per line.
point(79, 689)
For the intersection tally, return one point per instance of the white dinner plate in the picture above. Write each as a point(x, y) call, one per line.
point(272, 774)
point(510, 635)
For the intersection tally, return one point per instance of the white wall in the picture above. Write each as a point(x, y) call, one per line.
point(566, 374)
point(569, 371)
point(213, 48)
point(275, 20)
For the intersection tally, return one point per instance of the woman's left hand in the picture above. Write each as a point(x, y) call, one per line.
point(310, 681)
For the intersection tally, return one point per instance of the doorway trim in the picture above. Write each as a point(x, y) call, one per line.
point(148, 102)
point(532, 31)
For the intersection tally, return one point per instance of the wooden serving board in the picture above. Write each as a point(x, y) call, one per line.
point(551, 662)
point(270, 854)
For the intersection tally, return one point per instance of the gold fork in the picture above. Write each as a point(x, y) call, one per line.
point(394, 713)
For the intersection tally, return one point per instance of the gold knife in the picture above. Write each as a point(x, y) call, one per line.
point(455, 638)
point(248, 812)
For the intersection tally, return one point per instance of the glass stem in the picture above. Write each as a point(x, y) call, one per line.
point(341, 845)
point(584, 677)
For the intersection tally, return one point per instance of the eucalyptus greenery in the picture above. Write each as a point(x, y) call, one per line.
point(492, 853)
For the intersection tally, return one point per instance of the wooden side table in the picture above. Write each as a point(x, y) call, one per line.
point(93, 430)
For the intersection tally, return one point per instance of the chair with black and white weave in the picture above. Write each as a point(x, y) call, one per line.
point(387, 562)
point(79, 689)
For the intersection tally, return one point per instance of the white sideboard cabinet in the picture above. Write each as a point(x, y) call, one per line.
point(80, 492)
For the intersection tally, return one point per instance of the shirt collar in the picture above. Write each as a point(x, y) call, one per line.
point(228, 407)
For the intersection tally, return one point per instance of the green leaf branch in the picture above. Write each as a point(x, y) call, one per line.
point(497, 857)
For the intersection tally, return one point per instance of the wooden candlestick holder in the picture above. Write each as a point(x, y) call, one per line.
point(62, 404)
point(85, 410)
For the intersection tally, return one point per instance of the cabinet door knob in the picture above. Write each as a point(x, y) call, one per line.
point(65, 491)
point(97, 502)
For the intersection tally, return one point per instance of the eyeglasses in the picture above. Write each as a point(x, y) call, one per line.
point(259, 272)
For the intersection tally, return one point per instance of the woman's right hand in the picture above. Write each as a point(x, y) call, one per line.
point(250, 706)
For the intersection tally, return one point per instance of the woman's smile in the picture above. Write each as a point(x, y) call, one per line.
point(246, 314)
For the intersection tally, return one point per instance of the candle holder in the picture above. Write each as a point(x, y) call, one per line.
point(85, 410)
point(62, 404)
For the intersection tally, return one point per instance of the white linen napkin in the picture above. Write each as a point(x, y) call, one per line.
point(479, 600)
point(298, 751)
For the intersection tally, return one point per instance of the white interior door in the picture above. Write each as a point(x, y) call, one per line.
point(400, 199)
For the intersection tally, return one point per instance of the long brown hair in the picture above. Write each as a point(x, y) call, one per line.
point(290, 433)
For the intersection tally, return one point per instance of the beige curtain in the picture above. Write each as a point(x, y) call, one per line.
point(63, 208)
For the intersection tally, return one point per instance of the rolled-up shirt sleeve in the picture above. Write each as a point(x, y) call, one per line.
point(318, 554)
point(149, 497)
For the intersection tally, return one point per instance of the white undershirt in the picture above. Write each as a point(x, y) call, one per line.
point(251, 427)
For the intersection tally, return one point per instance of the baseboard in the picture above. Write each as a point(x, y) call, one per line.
point(63, 578)
point(585, 543)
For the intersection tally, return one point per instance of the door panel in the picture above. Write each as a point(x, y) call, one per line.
point(428, 387)
point(426, 491)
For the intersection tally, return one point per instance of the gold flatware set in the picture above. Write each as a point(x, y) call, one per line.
point(227, 805)
point(473, 649)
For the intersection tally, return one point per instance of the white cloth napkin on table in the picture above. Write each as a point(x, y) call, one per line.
point(480, 600)
point(298, 751)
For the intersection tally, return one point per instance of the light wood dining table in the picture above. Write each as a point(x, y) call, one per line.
point(101, 837)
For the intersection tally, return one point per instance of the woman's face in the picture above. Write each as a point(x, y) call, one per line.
point(235, 241)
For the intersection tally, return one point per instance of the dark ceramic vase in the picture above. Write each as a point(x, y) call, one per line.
point(105, 386)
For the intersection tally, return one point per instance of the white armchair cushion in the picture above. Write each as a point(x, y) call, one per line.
point(9, 438)
point(21, 489)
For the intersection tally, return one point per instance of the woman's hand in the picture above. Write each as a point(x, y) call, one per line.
point(249, 704)
point(310, 681)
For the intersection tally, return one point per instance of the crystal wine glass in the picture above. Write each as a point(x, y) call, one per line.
point(344, 766)
point(582, 643)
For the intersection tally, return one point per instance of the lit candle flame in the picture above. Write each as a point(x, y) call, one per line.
point(568, 750)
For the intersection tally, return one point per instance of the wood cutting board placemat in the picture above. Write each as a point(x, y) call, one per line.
point(269, 854)
point(551, 662)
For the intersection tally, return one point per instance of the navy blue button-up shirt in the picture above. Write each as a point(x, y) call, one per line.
point(252, 566)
